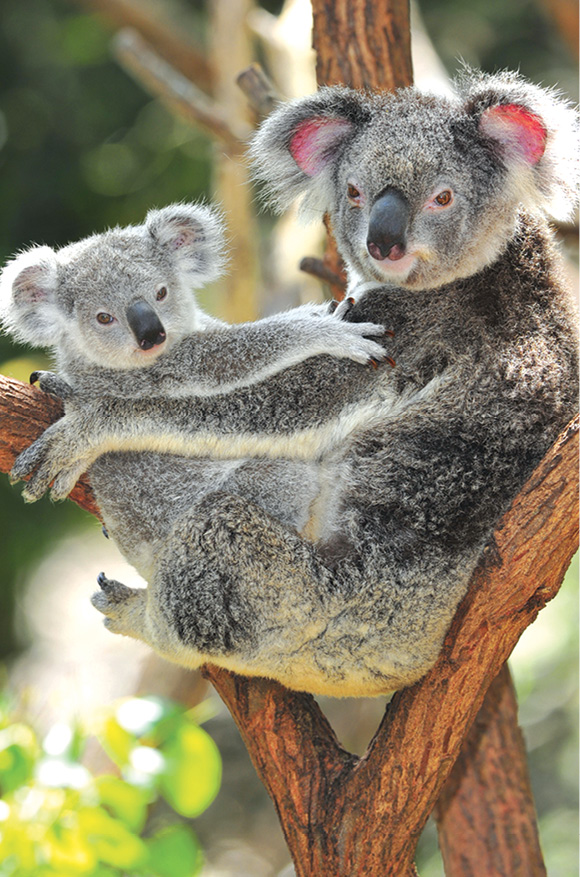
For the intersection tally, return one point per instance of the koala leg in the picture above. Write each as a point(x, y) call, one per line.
point(236, 588)
point(124, 608)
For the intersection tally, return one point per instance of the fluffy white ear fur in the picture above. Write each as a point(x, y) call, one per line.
point(192, 234)
point(536, 133)
point(28, 297)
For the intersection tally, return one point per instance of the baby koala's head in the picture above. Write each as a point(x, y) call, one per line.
point(121, 298)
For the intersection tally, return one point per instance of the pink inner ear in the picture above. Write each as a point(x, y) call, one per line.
point(184, 238)
point(313, 140)
point(32, 284)
point(517, 129)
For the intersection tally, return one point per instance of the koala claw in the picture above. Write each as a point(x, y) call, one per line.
point(50, 383)
point(66, 480)
point(114, 591)
point(28, 460)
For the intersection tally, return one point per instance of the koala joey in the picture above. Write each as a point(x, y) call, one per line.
point(118, 310)
point(439, 209)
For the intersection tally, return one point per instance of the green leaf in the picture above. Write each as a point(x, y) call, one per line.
point(116, 741)
point(18, 751)
point(127, 802)
point(152, 718)
point(175, 852)
point(192, 774)
point(111, 841)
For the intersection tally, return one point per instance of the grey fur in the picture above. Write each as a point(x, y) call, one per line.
point(52, 298)
point(412, 466)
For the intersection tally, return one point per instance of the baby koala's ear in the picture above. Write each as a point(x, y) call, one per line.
point(29, 308)
point(192, 235)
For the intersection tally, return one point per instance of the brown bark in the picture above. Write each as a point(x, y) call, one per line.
point(485, 813)
point(362, 44)
point(342, 815)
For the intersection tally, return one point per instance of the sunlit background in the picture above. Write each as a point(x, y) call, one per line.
point(82, 147)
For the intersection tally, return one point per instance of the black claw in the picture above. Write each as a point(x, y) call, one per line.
point(105, 532)
point(102, 580)
point(332, 306)
point(34, 377)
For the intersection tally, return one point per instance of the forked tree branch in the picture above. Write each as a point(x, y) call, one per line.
point(344, 816)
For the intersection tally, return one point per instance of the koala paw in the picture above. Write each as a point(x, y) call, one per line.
point(123, 607)
point(48, 382)
point(362, 342)
point(57, 456)
point(341, 311)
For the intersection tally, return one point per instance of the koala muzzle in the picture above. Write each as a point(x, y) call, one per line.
point(145, 325)
point(387, 232)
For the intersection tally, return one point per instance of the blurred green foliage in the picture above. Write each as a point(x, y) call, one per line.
point(58, 820)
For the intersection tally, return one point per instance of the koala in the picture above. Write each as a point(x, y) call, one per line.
point(439, 207)
point(117, 309)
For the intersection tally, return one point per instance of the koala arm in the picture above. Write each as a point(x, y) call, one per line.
point(296, 414)
point(225, 358)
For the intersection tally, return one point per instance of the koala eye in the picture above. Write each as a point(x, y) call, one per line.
point(161, 294)
point(353, 194)
point(105, 319)
point(444, 198)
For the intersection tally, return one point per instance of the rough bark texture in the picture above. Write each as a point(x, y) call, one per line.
point(485, 813)
point(362, 44)
point(343, 816)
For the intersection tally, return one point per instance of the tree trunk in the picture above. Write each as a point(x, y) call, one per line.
point(485, 813)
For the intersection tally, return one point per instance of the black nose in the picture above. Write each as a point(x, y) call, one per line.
point(387, 234)
point(145, 325)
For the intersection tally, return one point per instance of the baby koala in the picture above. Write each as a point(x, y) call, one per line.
point(118, 311)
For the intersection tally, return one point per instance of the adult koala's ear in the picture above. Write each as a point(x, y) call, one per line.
point(533, 132)
point(29, 309)
point(297, 146)
point(193, 236)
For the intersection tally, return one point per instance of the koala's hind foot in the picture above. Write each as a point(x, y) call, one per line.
point(124, 608)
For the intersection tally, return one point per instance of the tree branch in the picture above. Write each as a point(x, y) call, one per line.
point(184, 56)
point(378, 805)
point(183, 97)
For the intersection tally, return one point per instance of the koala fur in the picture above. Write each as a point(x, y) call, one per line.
point(156, 341)
point(438, 206)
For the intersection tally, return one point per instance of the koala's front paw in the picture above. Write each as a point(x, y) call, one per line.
point(123, 607)
point(56, 456)
point(341, 310)
point(362, 342)
point(51, 383)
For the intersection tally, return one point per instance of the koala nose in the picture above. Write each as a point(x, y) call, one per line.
point(387, 232)
point(145, 325)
